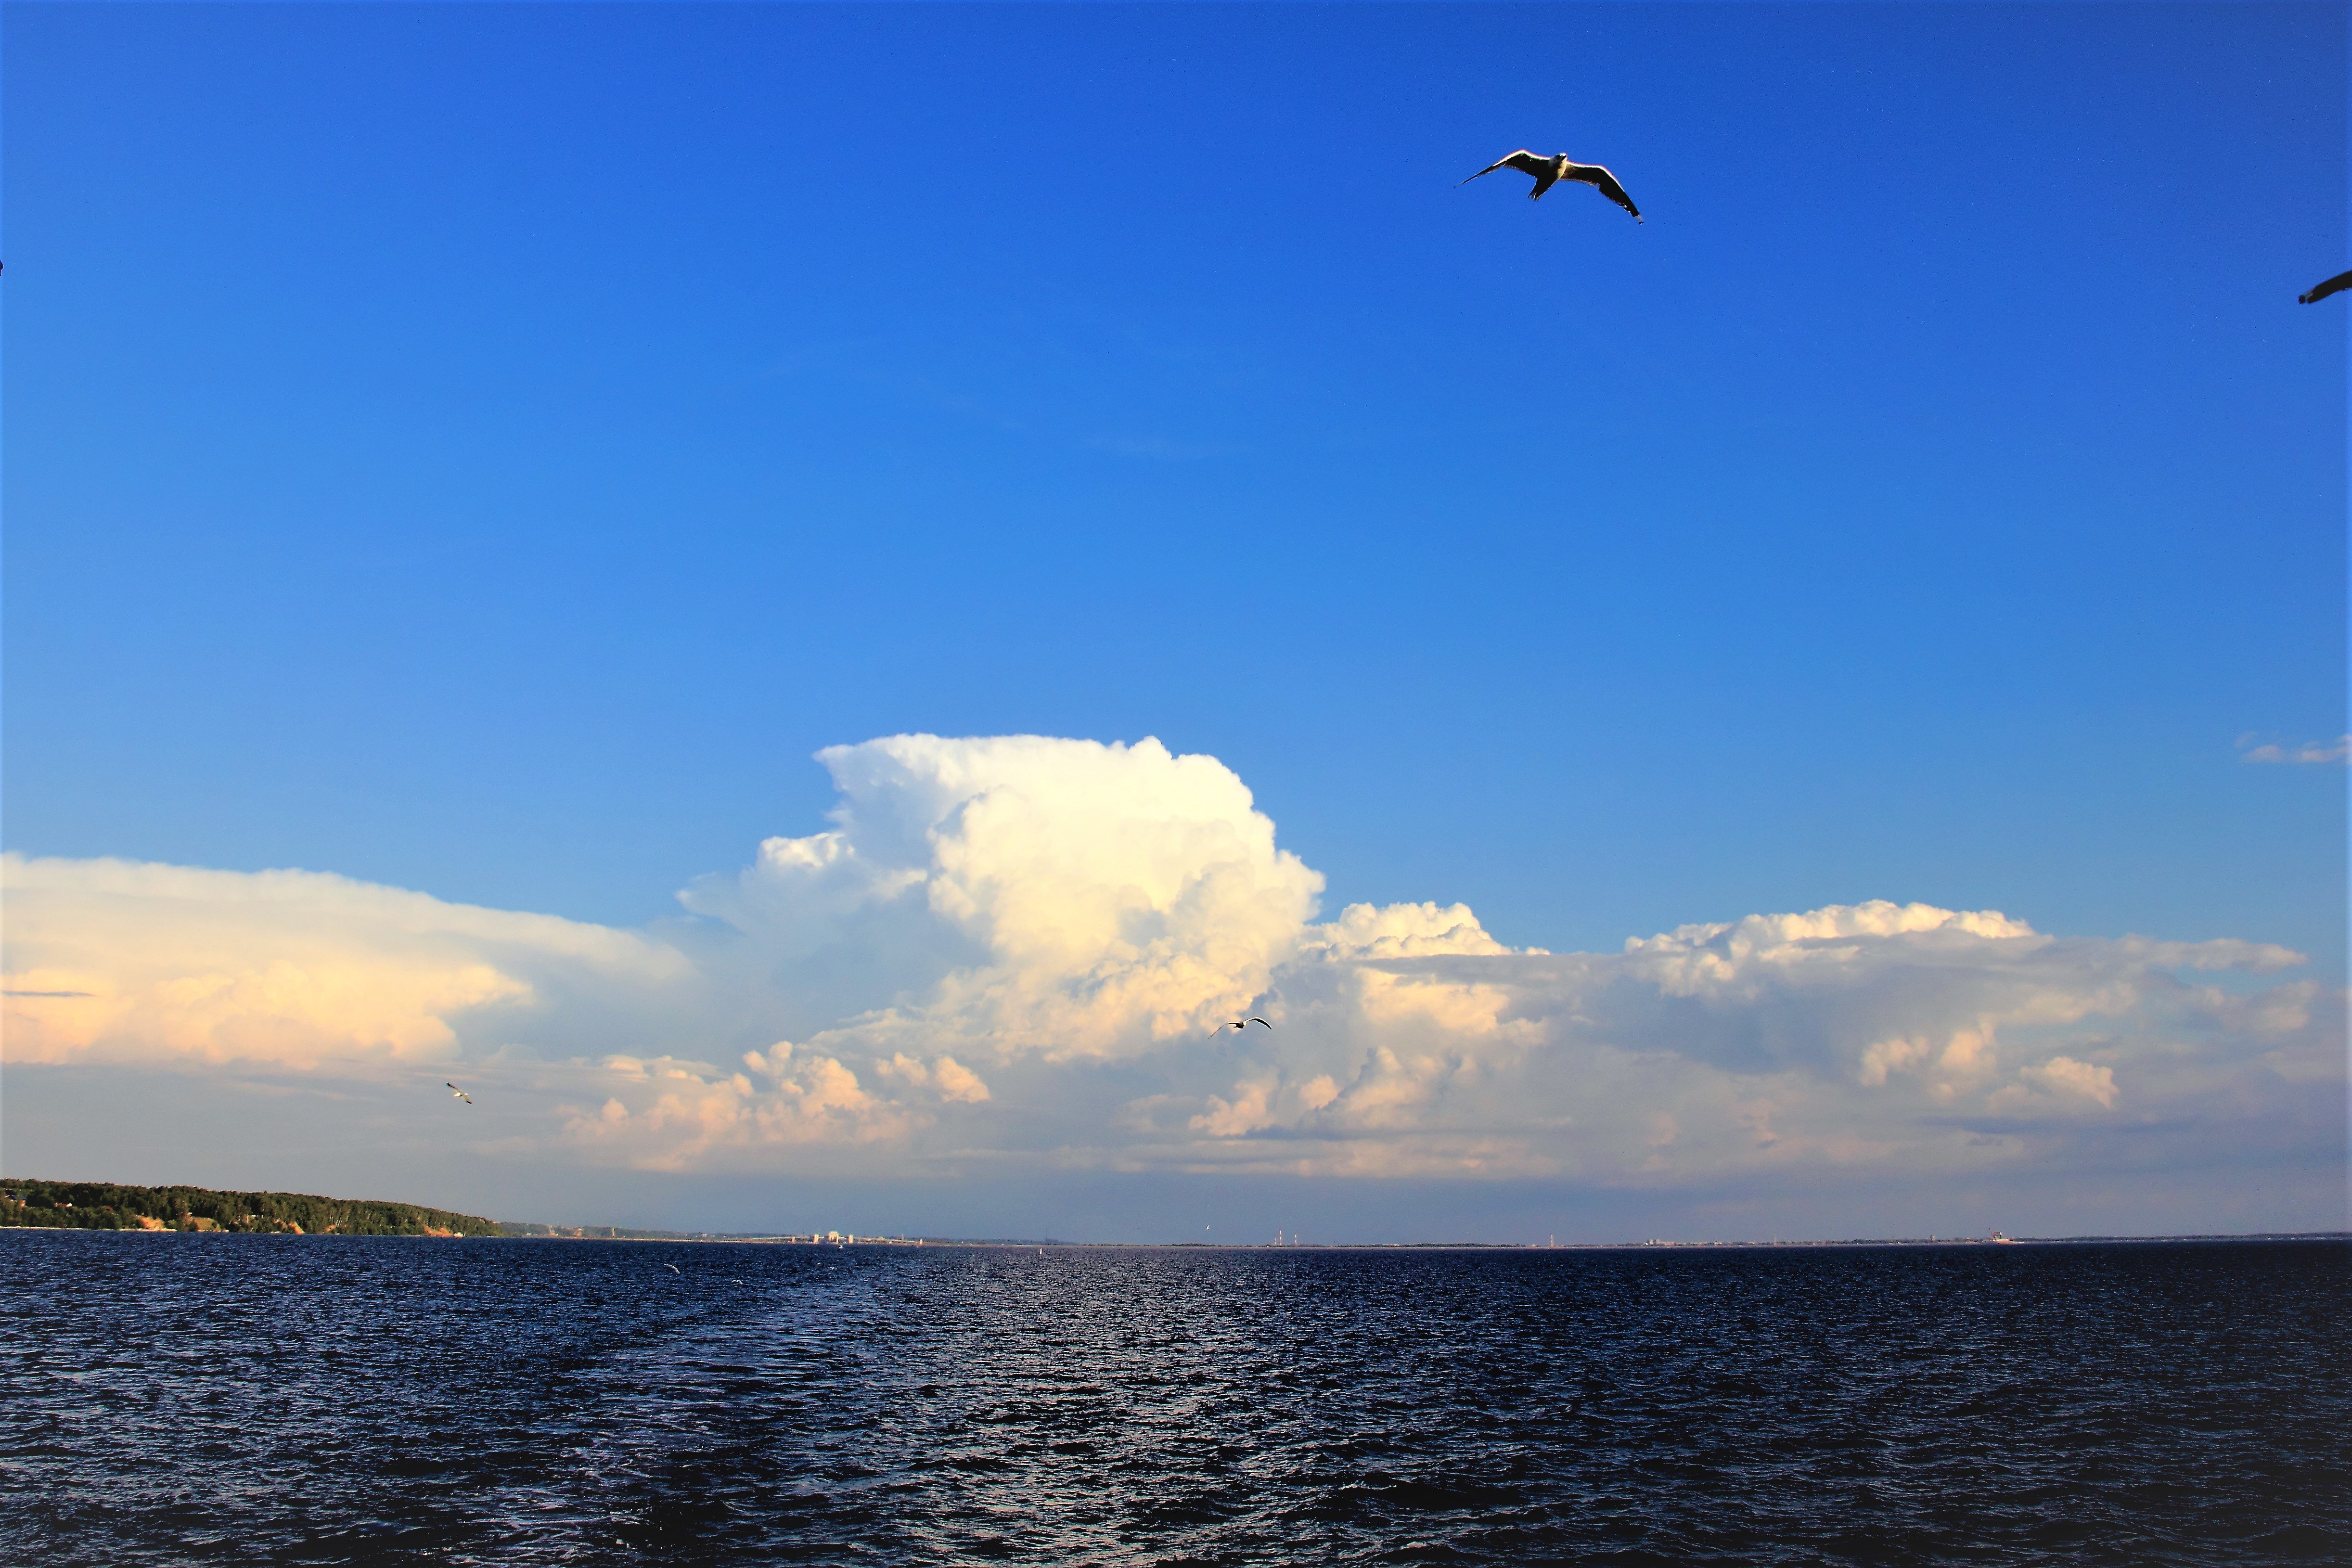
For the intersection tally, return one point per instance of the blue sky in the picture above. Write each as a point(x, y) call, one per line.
point(489, 450)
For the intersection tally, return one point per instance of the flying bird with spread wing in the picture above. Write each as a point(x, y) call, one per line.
point(2336, 285)
point(1549, 171)
point(1241, 1024)
point(460, 1093)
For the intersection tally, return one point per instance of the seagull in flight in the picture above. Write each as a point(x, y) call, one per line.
point(460, 1093)
point(2336, 285)
point(671, 1267)
point(1549, 171)
point(1241, 1024)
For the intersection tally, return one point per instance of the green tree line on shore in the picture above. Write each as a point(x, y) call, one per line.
point(104, 1205)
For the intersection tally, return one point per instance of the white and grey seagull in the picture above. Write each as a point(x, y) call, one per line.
point(460, 1093)
point(1241, 1024)
point(1549, 171)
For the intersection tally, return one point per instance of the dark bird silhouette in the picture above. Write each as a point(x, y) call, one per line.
point(2336, 285)
point(1241, 1024)
point(460, 1093)
point(1549, 171)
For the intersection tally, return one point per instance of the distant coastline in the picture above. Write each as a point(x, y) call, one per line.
point(28, 1204)
point(769, 1238)
point(108, 1205)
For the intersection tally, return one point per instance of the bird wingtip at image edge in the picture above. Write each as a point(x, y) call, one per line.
point(2321, 290)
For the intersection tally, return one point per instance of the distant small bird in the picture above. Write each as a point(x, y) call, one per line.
point(1241, 1024)
point(1549, 171)
point(671, 1267)
point(460, 1093)
point(2336, 285)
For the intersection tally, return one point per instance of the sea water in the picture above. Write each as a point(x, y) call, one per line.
point(248, 1399)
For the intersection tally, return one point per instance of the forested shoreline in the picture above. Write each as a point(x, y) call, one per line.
point(105, 1205)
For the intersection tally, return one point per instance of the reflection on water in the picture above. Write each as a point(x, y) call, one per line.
point(251, 1399)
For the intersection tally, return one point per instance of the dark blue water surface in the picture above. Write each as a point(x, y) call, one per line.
point(249, 1399)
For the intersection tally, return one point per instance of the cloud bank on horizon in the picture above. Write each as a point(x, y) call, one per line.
point(1012, 951)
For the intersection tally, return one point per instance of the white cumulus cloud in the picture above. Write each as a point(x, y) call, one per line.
point(1016, 949)
point(2309, 753)
point(118, 960)
point(1028, 895)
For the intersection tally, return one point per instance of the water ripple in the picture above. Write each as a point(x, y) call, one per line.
point(188, 1399)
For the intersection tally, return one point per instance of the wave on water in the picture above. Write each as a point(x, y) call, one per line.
point(177, 1399)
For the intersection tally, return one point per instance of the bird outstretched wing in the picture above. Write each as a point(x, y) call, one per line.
point(1602, 180)
point(460, 1093)
point(1527, 162)
point(2336, 285)
point(1262, 1022)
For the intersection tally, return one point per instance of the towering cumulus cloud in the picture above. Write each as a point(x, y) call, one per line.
point(1029, 895)
point(1018, 949)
